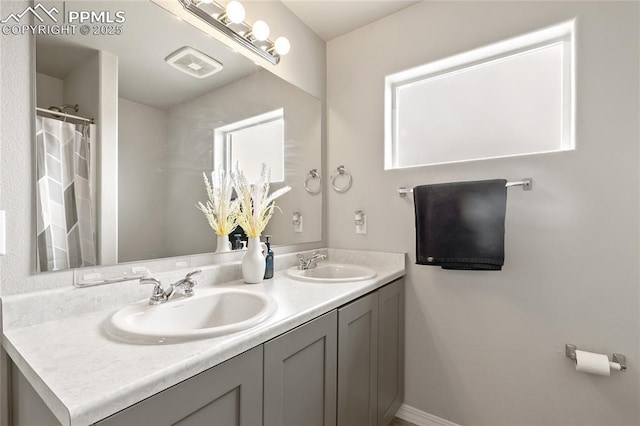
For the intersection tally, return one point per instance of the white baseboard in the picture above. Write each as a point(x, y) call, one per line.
point(420, 418)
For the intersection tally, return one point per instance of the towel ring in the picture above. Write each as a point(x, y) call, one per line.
point(313, 174)
point(341, 171)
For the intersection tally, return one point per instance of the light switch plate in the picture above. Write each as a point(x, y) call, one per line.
point(298, 227)
point(362, 228)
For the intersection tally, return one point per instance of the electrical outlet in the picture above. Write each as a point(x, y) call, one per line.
point(297, 227)
point(362, 227)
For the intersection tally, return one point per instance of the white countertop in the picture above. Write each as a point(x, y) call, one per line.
point(84, 375)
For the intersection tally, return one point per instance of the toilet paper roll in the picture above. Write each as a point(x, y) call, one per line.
point(592, 363)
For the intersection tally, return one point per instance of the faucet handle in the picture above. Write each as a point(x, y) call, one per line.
point(192, 273)
point(188, 283)
point(158, 294)
point(154, 281)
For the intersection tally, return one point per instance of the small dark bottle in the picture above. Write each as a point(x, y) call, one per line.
point(268, 273)
point(236, 244)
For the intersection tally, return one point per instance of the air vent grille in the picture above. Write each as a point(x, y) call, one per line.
point(193, 62)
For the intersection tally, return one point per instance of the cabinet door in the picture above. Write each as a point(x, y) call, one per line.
point(358, 362)
point(300, 375)
point(391, 352)
point(227, 394)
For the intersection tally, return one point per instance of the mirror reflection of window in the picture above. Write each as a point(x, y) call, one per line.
point(254, 141)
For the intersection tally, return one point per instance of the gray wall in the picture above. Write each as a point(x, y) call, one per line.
point(142, 145)
point(50, 90)
point(487, 348)
point(81, 87)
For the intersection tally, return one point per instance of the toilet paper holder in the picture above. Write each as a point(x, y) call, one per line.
point(570, 352)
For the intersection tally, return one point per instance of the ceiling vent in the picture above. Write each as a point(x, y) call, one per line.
point(193, 62)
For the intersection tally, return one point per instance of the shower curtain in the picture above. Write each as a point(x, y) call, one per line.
point(65, 227)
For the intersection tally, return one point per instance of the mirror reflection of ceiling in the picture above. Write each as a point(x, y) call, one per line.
point(143, 74)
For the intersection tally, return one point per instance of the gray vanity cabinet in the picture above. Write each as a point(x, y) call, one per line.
point(345, 367)
point(371, 357)
point(358, 362)
point(391, 314)
point(300, 375)
point(227, 394)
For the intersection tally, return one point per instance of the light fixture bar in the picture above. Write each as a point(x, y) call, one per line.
point(192, 6)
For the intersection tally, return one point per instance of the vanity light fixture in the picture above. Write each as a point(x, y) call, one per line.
point(234, 13)
point(229, 20)
point(281, 46)
point(259, 31)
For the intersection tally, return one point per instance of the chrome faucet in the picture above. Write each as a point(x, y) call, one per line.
point(310, 263)
point(186, 284)
point(160, 295)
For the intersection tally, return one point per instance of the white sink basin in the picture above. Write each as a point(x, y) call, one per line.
point(211, 312)
point(329, 273)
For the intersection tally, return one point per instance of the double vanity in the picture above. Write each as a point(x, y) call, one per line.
point(318, 346)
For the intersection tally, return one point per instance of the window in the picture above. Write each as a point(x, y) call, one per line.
point(510, 98)
point(251, 142)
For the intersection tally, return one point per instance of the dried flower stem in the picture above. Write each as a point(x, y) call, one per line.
point(220, 210)
point(256, 205)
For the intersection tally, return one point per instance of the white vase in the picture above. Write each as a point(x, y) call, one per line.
point(223, 244)
point(253, 262)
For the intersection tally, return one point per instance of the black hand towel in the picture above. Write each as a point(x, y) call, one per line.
point(461, 225)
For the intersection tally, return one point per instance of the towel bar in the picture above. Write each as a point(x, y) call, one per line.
point(526, 184)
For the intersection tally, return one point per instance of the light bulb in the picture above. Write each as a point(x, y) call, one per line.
point(282, 46)
point(260, 30)
point(235, 11)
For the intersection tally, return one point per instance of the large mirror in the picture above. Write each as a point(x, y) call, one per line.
point(125, 187)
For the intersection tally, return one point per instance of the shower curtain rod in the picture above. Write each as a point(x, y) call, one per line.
point(64, 114)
